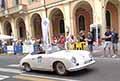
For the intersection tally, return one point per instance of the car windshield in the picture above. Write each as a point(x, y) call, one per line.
point(53, 49)
point(47, 50)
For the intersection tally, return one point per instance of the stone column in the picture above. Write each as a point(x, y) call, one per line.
point(67, 19)
point(1, 28)
point(29, 31)
point(99, 16)
point(119, 19)
point(14, 28)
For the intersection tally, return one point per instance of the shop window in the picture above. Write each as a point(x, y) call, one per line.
point(108, 19)
point(62, 29)
point(21, 34)
point(81, 23)
point(17, 2)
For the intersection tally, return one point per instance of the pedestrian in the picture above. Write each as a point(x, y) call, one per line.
point(114, 40)
point(107, 44)
point(90, 41)
point(81, 36)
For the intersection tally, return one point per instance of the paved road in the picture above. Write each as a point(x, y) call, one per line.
point(105, 69)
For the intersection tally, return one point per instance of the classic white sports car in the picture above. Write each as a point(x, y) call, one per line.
point(56, 59)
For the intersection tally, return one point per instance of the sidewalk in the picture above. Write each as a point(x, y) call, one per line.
point(99, 51)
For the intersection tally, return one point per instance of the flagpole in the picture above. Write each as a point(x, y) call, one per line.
point(46, 42)
point(45, 8)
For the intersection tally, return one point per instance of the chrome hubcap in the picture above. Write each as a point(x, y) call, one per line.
point(60, 68)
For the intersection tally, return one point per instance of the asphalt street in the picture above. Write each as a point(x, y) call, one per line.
point(105, 69)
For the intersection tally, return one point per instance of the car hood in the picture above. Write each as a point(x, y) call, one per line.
point(79, 54)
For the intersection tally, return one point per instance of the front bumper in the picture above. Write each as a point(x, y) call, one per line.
point(80, 67)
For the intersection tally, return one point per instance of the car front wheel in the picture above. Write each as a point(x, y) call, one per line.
point(60, 68)
point(27, 67)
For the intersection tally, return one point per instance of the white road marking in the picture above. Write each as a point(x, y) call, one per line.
point(13, 65)
point(107, 58)
point(47, 77)
point(9, 70)
point(2, 77)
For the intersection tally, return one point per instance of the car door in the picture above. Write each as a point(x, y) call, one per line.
point(37, 61)
point(43, 62)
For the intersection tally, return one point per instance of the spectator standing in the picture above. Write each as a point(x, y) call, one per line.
point(81, 36)
point(67, 40)
point(15, 46)
point(114, 40)
point(32, 41)
point(90, 41)
point(54, 40)
point(72, 39)
point(61, 41)
point(19, 49)
point(107, 44)
point(4, 46)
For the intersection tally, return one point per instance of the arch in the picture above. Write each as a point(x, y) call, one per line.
point(21, 28)
point(83, 9)
point(114, 2)
point(7, 28)
point(36, 25)
point(55, 10)
point(113, 12)
point(57, 21)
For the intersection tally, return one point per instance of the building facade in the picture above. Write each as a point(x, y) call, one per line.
point(22, 18)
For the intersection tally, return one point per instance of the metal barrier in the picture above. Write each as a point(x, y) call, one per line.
point(21, 49)
point(32, 48)
point(77, 46)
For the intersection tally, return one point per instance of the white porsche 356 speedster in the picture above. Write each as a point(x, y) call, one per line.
point(58, 60)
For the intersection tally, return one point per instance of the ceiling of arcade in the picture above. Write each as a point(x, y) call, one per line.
point(83, 6)
point(115, 2)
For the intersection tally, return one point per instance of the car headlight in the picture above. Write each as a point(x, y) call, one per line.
point(73, 60)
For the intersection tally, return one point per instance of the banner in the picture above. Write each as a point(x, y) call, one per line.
point(45, 28)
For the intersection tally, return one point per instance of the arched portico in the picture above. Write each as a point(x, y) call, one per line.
point(7, 28)
point(21, 29)
point(57, 21)
point(36, 25)
point(112, 16)
point(83, 17)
